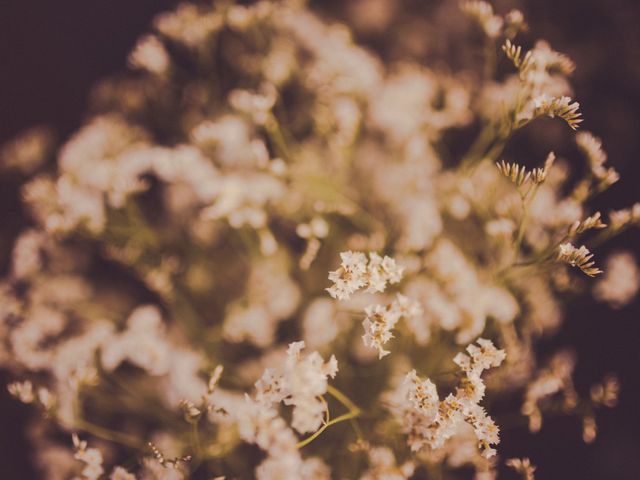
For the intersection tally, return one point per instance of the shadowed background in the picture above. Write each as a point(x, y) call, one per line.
point(51, 53)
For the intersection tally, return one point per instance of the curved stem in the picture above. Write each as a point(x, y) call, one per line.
point(341, 418)
point(343, 399)
point(353, 412)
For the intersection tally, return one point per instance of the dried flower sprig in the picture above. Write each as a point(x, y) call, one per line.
point(514, 172)
point(593, 222)
point(562, 107)
point(522, 466)
point(578, 257)
point(514, 53)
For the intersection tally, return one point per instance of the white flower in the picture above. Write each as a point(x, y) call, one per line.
point(350, 277)
point(356, 273)
point(423, 396)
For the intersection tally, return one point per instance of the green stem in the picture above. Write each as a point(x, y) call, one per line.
point(196, 439)
point(354, 411)
point(275, 134)
point(343, 399)
point(341, 418)
point(527, 198)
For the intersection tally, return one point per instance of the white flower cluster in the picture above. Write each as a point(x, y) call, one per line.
point(357, 273)
point(191, 222)
point(381, 319)
point(430, 421)
point(300, 382)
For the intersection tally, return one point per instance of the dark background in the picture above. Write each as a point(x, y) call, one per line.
point(51, 52)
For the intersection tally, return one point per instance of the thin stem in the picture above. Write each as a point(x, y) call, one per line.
point(353, 412)
point(275, 134)
point(196, 439)
point(527, 198)
point(341, 418)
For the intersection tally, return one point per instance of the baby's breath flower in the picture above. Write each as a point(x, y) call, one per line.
point(481, 357)
point(380, 320)
point(431, 422)
point(377, 327)
point(423, 396)
point(356, 273)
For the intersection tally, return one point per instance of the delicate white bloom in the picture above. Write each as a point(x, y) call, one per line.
point(350, 277)
point(431, 422)
point(377, 327)
point(356, 273)
point(380, 320)
point(299, 382)
point(480, 357)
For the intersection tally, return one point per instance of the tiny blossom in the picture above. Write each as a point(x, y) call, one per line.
point(377, 326)
point(422, 394)
point(300, 382)
point(380, 320)
point(481, 357)
point(356, 273)
point(431, 422)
